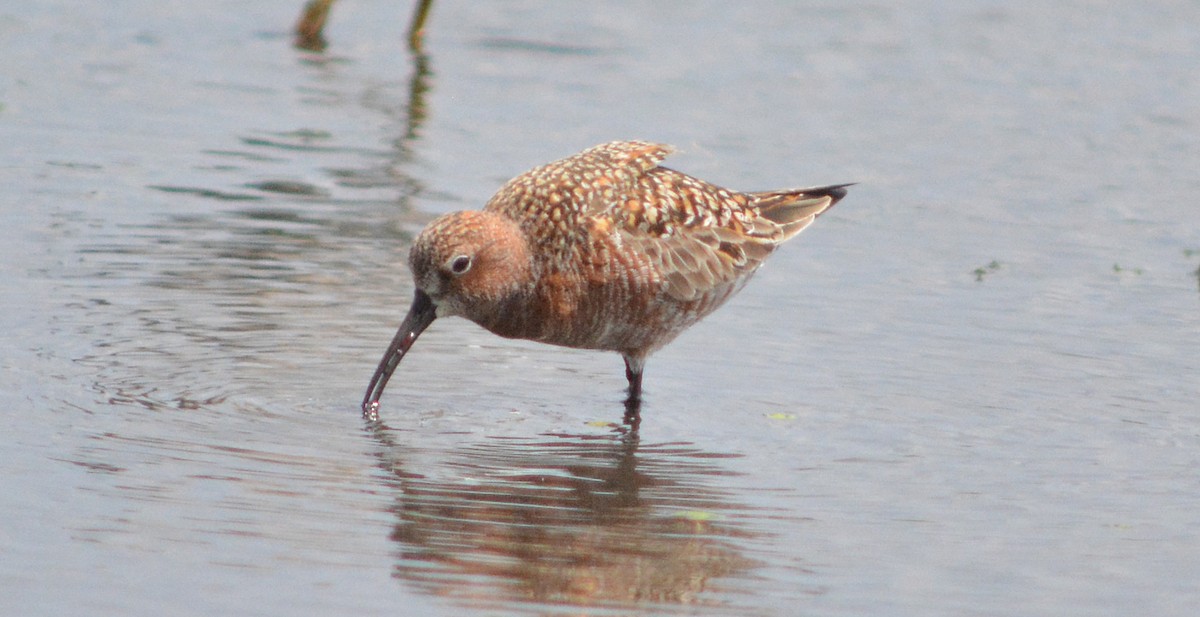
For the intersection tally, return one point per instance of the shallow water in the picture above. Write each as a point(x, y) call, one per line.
point(969, 389)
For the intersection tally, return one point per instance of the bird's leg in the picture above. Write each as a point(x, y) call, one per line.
point(633, 372)
point(633, 402)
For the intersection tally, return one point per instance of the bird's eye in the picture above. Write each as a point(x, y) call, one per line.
point(460, 264)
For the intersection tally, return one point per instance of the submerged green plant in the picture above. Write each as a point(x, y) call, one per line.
point(1190, 253)
point(982, 271)
point(698, 516)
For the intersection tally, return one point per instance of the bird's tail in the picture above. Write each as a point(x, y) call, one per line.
point(795, 209)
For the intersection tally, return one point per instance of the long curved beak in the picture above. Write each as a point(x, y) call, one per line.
point(420, 315)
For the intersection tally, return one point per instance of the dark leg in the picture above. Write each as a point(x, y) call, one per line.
point(633, 372)
point(633, 403)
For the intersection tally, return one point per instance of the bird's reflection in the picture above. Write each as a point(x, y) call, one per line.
point(565, 519)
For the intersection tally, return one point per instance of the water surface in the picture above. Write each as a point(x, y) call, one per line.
point(969, 389)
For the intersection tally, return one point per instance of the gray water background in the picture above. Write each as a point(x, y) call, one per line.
point(970, 389)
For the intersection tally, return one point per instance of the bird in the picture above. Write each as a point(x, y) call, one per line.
point(605, 250)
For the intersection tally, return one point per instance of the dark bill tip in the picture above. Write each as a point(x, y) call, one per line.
point(420, 315)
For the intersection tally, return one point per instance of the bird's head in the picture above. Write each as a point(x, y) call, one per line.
point(467, 263)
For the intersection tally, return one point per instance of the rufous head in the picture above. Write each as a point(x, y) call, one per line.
point(468, 262)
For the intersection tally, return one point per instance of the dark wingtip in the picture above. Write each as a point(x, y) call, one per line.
point(834, 191)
